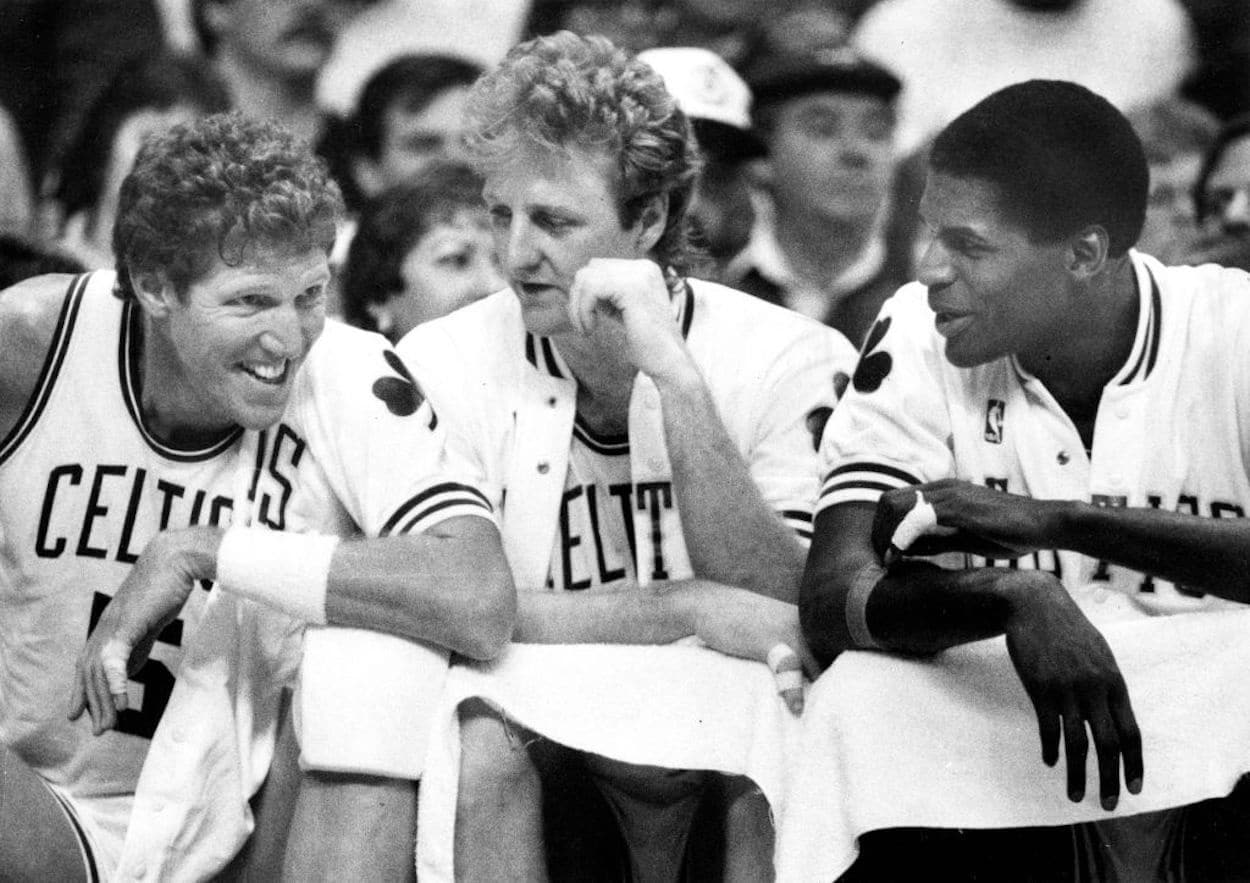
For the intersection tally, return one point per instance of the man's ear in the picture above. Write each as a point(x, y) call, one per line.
point(1088, 251)
point(154, 293)
point(651, 222)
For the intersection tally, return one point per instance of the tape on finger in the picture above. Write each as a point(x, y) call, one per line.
point(113, 660)
point(920, 519)
point(786, 667)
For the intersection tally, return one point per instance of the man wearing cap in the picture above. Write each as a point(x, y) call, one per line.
point(718, 103)
point(819, 244)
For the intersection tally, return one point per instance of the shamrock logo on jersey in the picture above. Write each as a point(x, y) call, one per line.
point(873, 366)
point(401, 395)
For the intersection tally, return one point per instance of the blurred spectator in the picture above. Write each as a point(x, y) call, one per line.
point(1175, 134)
point(421, 250)
point(21, 258)
point(271, 53)
point(951, 53)
point(408, 114)
point(56, 56)
point(16, 196)
point(146, 96)
point(1222, 199)
point(819, 243)
point(718, 103)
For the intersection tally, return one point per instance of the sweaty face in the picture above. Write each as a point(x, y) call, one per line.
point(831, 156)
point(414, 138)
point(452, 265)
point(994, 291)
point(230, 348)
point(550, 214)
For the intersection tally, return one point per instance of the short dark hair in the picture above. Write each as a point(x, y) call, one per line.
point(214, 189)
point(392, 223)
point(1233, 130)
point(412, 80)
point(565, 91)
point(1061, 158)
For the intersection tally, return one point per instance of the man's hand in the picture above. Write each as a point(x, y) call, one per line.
point(626, 304)
point(1073, 680)
point(741, 623)
point(970, 518)
point(147, 600)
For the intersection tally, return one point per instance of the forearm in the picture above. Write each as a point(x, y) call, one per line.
point(449, 585)
point(1211, 555)
point(655, 614)
point(732, 535)
point(849, 600)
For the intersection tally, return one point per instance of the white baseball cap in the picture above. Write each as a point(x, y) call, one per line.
point(707, 89)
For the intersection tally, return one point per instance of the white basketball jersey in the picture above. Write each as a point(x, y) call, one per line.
point(83, 486)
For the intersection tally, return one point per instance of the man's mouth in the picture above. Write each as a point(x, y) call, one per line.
point(271, 373)
point(949, 323)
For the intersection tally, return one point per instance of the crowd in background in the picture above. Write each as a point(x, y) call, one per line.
point(813, 116)
point(814, 120)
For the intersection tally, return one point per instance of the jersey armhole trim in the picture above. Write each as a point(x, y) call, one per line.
point(90, 868)
point(52, 362)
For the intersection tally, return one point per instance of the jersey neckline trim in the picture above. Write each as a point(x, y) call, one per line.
point(51, 367)
point(606, 444)
point(128, 371)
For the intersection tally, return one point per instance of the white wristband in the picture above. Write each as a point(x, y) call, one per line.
point(288, 571)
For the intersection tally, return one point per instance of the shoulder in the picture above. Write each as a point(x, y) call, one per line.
point(472, 339)
point(736, 317)
point(30, 314)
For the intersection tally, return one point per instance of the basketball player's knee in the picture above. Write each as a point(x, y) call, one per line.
point(495, 765)
point(747, 813)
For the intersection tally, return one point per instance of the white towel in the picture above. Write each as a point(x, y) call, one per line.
point(676, 706)
point(366, 701)
point(953, 741)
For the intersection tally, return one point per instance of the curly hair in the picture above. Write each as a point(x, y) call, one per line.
point(218, 188)
point(567, 92)
point(392, 224)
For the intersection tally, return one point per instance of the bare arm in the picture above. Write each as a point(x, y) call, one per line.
point(449, 586)
point(850, 600)
point(733, 536)
point(28, 319)
point(1211, 555)
point(731, 533)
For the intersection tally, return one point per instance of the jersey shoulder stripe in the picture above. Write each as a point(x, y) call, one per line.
point(862, 482)
point(51, 367)
point(409, 517)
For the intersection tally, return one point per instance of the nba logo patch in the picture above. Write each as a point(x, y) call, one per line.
point(994, 421)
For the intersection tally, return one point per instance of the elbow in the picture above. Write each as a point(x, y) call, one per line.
point(492, 620)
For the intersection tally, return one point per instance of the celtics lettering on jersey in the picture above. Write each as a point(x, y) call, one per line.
point(109, 511)
point(1097, 571)
point(595, 543)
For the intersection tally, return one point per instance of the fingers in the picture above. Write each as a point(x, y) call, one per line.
point(77, 696)
point(787, 669)
point(1107, 747)
point(1130, 738)
point(1048, 730)
point(113, 660)
point(1076, 748)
